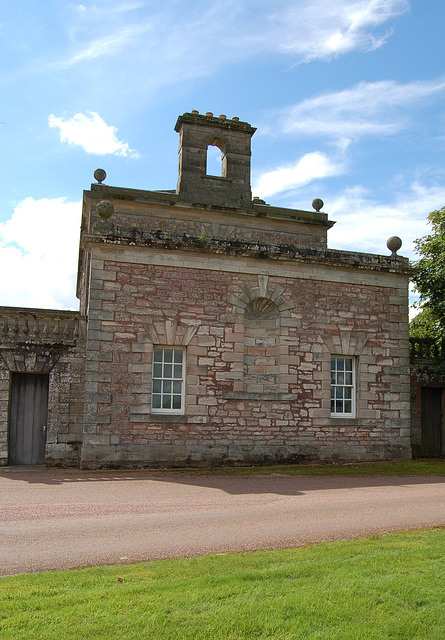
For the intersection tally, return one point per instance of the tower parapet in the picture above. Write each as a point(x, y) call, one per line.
point(230, 189)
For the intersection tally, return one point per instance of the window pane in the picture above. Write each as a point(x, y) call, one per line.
point(177, 386)
point(341, 378)
point(340, 364)
point(156, 402)
point(167, 386)
point(348, 378)
point(157, 386)
point(167, 370)
point(348, 364)
point(177, 373)
point(168, 355)
point(157, 355)
point(178, 356)
point(157, 370)
point(348, 406)
point(166, 402)
point(176, 402)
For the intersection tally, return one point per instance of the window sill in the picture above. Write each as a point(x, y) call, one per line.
point(167, 417)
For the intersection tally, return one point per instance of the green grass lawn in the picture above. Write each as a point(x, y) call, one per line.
point(385, 587)
point(419, 467)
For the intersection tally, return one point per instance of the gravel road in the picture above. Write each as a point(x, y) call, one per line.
point(58, 518)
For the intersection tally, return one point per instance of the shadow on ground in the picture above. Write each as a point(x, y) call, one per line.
point(276, 483)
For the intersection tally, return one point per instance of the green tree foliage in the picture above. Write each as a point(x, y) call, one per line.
point(425, 325)
point(429, 279)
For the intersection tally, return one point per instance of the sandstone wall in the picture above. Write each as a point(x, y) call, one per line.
point(144, 297)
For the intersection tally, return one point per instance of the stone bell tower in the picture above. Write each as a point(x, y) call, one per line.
point(230, 189)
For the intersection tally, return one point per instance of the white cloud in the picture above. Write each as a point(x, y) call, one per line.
point(368, 109)
point(103, 46)
point(91, 133)
point(310, 167)
point(154, 39)
point(362, 224)
point(39, 247)
point(326, 29)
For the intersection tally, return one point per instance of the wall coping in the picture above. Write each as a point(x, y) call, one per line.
point(21, 326)
point(106, 234)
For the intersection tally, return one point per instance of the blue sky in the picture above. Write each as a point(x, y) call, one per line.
point(348, 98)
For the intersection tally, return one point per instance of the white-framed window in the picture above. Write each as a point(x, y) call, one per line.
point(343, 386)
point(167, 395)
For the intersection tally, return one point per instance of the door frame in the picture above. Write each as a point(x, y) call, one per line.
point(28, 414)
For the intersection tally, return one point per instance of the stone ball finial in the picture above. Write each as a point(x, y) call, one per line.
point(105, 209)
point(394, 243)
point(100, 175)
point(209, 114)
point(317, 204)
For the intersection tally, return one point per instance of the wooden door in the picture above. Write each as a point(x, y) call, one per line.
point(431, 421)
point(27, 418)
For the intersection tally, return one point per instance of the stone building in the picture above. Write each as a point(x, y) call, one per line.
point(213, 329)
